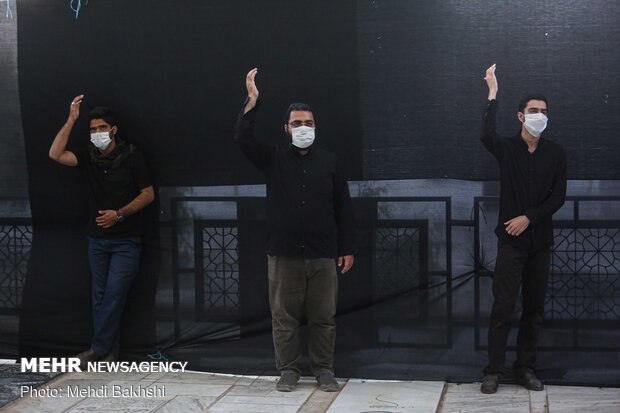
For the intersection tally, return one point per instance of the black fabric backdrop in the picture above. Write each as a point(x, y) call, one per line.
point(421, 88)
point(397, 90)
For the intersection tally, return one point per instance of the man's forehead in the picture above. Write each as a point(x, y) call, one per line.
point(534, 103)
point(94, 122)
point(301, 114)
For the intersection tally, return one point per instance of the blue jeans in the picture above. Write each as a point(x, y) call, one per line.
point(114, 264)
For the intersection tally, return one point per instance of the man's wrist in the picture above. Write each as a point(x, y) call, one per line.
point(119, 216)
point(250, 104)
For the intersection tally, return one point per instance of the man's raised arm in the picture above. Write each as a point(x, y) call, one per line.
point(57, 150)
point(489, 137)
point(257, 152)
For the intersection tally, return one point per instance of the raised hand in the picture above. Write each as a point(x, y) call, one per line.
point(491, 81)
point(74, 110)
point(250, 85)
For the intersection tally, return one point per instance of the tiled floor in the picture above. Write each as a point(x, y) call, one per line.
point(204, 392)
point(11, 378)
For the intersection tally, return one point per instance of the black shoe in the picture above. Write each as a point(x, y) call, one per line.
point(288, 381)
point(528, 380)
point(327, 382)
point(489, 384)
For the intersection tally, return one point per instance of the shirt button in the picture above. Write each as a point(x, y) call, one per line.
point(303, 202)
point(303, 186)
point(304, 171)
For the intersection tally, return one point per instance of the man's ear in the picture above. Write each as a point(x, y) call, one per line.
point(521, 117)
point(286, 128)
point(114, 130)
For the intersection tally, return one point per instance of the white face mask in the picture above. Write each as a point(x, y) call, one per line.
point(303, 136)
point(101, 139)
point(535, 123)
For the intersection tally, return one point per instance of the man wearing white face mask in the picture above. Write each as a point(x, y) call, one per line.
point(119, 188)
point(533, 187)
point(310, 227)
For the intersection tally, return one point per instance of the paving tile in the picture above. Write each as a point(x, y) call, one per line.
point(538, 401)
point(319, 401)
point(155, 376)
point(195, 377)
point(40, 405)
point(466, 398)
point(187, 404)
point(268, 389)
point(158, 390)
point(13, 381)
point(64, 383)
point(410, 396)
point(117, 405)
point(110, 375)
point(188, 389)
point(252, 408)
point(262, 396)
point(571, 399)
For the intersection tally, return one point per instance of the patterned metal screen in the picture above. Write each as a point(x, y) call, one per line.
point(15, 247)
point(217, 270)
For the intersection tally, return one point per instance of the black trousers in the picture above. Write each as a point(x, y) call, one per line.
point(514, 269)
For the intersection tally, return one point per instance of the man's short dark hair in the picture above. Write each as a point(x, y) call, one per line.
point(527, 98)
point(101, 112)
point(302, 107)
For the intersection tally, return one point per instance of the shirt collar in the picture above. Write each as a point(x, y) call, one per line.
point(295, 150)
point(523, 143)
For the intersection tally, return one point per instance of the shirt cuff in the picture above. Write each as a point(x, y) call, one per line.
point(252, 112)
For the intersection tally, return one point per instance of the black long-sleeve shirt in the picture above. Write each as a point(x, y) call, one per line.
point(531, 184)
point(309, 206)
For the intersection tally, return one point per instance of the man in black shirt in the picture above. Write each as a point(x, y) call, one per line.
point(119, 188)
point(533, 187)
point(310, 225)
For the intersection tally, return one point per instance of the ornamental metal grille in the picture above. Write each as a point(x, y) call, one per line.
point(585, 275)
point(15, 247)
point(217, 277)
point(397, 260)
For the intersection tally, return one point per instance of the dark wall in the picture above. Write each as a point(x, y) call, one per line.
point(422, 90)
point(175, 71)
point(397, 82)
point(13, 173)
